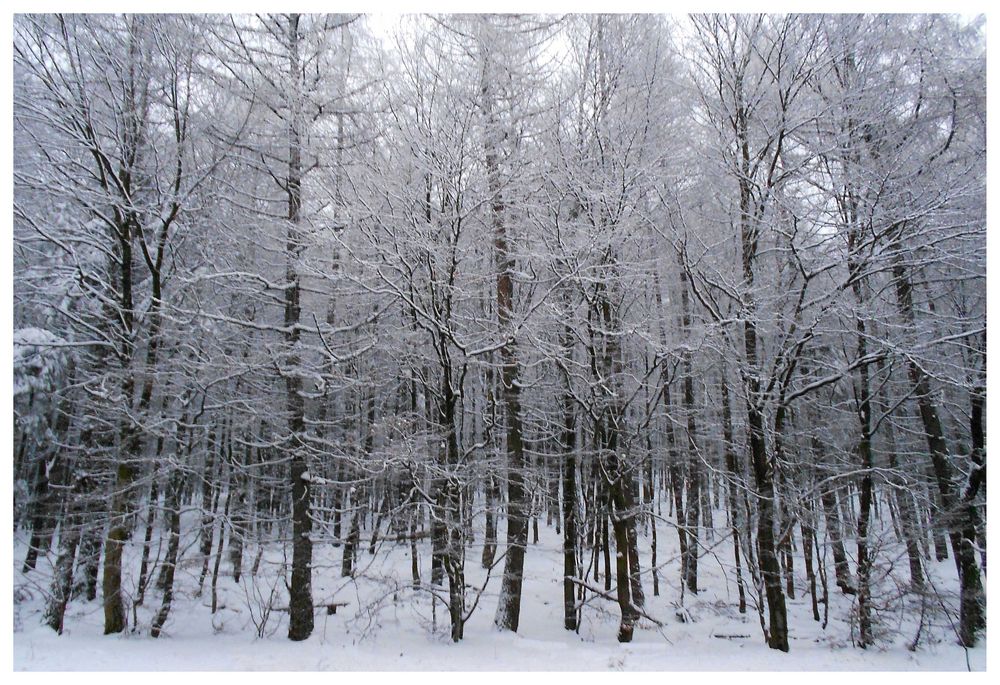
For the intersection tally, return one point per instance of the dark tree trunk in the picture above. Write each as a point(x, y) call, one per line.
point(351, 544)
point(209, 498)
point(571, 566)
point(623, 524)
point(693, 504)
point(635, 571)
point(763, 477)
point(41, 520)
point(831, 513)
point(901, 495)
point(808, 542)
point(89, 559)
point(151, 507)
point(172, 507)
point(300, 604)
point(736, 479)
point(605, 543)
point(509, 607)
point(120, 508)
point(414, 557)
point(960, 517)
point(238, 536)
point(676, 483)
point(490, 536)
point(221, 546)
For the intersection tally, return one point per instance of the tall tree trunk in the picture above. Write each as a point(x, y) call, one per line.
point(571, 567)
point(808, 543)
point(209, 499)
point(689, 559)
point(219, 549)
point(736, 480)
point(120, 508)
point(960, 517)
point(509, 606)
point(763, 469)
point(676, 485)
point(570, 507)
point(241, 530)
point(300, 603)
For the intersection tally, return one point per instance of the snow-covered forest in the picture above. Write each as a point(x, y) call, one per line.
point(343, 343)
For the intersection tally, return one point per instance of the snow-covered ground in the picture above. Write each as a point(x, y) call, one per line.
point(388, 626)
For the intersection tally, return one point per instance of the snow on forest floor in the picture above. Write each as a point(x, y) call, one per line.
point(388, 626)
